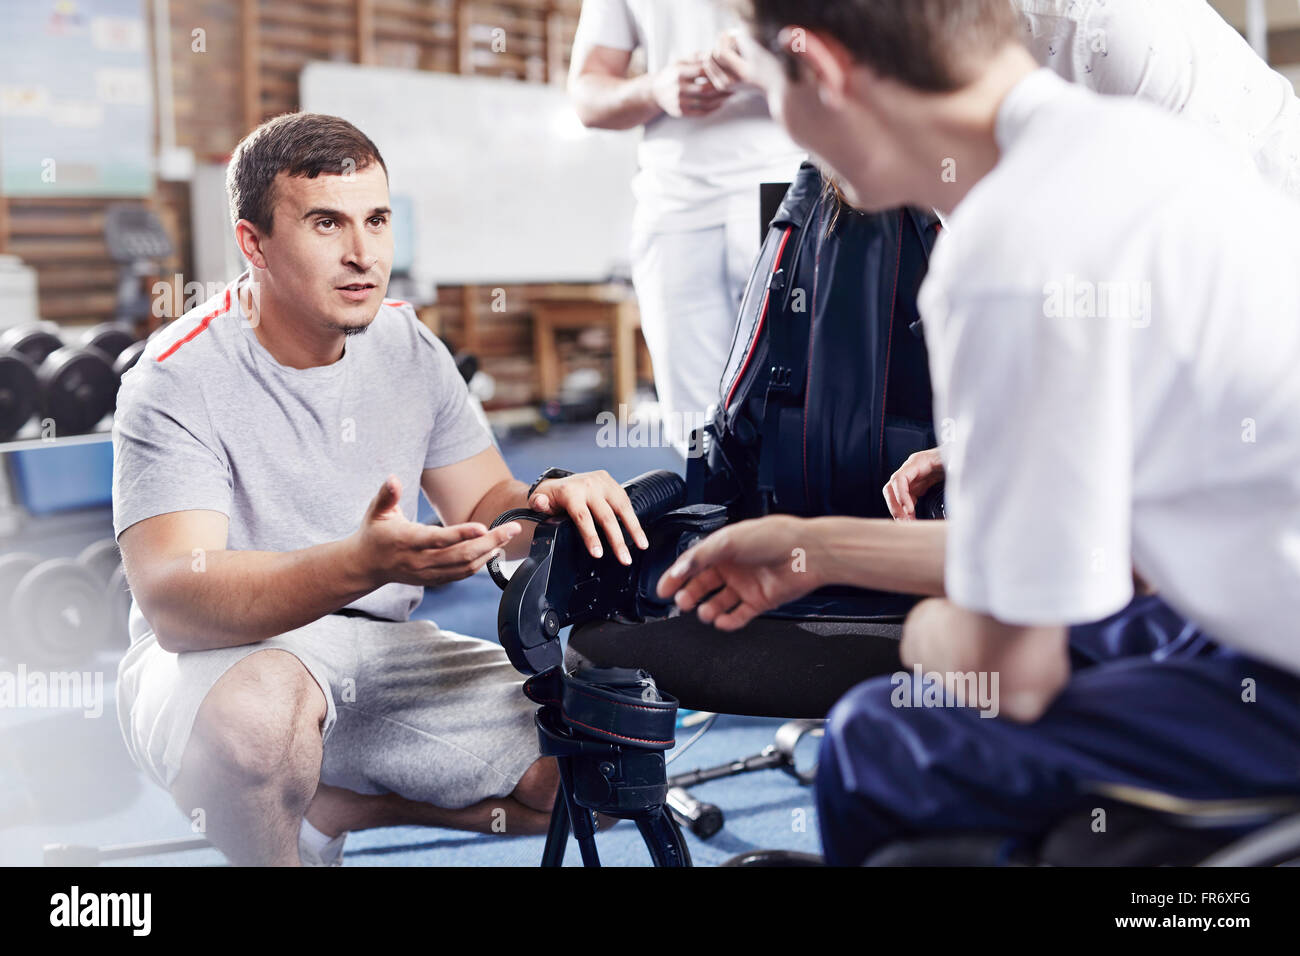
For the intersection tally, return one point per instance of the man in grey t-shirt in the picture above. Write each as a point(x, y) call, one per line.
point(268, 462)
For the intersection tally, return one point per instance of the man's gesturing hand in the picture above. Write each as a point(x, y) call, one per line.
point(590, 499)
point(745, 570)
point(394, 549)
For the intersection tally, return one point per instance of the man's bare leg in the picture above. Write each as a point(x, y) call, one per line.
point(253, 760)
point(527, 810)
point(252, 765)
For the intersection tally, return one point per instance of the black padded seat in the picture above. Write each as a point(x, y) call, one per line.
point(770, 668)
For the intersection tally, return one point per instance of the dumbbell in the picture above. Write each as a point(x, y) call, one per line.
point(20, 388)
point(128, 357)
point(76, 386)
point(118, 343)
point(19, 393)
point(104, 560)
point(54, 611)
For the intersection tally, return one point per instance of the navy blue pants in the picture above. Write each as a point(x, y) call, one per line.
point(1151, 703)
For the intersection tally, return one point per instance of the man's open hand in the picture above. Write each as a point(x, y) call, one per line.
point(392, 549)
point(592, 499)
point(744, 570)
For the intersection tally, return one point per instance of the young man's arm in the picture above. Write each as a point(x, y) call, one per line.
point(1032, 663)
point(481, 487)
point(753, 567)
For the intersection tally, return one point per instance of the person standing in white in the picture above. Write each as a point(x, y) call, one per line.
point(708, 143)
point(1180, 55)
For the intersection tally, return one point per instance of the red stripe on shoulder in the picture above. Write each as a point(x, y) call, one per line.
point(395, 302)
point(198, 329)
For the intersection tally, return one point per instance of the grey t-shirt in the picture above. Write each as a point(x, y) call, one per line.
point(208, 420)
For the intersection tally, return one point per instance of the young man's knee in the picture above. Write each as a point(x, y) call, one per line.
point(257, 715)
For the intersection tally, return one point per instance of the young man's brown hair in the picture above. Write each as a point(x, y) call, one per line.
point(922, 43)
point(298, 144)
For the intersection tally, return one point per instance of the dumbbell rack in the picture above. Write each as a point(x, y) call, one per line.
point(10, 512)
point(72, 580)
point(35, 441)
point(70, 384)
point(41, 344)
point(69, 529)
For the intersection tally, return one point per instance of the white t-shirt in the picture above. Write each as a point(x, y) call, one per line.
point(1182, 56)
point(695, 172)
point(1165, 436)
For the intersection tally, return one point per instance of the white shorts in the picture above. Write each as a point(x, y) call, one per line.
point(411, 709)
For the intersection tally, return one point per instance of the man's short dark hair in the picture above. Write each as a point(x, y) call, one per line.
point(922, 43)
point(299, 144)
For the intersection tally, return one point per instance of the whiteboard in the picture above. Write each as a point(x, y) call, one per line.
point(76, 99)
point(507, 186)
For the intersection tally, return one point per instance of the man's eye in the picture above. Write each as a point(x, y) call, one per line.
point(378, 221)
point(325, 223)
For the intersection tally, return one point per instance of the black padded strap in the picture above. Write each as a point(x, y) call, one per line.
point(618, 704)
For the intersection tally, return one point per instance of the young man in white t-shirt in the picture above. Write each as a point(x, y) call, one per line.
point(1180, 55)
point(1113, 341)
point(708, 143)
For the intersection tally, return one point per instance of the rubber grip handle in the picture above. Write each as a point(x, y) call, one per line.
point(655, 493)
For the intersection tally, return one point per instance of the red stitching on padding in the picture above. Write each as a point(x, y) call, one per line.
point(202, 326)
point(610, 733)
point(762, 318)
point(822, 235)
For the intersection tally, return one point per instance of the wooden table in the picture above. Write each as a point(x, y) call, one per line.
point(584, 307)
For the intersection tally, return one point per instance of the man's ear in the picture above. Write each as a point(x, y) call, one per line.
point(249, 240)
point(826, 60)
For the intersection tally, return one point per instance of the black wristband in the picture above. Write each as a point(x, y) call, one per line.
point(547, 475)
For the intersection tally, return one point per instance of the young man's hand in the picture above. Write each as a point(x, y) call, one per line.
point(746, 569)
point(914, 478)
point(592, 499)
point(682, 89)
point(1032, 664)
point(392, 549)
